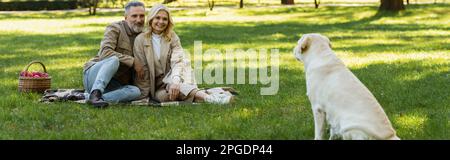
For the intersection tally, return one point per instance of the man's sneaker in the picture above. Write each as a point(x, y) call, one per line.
point(95, 98)
point(219, 98)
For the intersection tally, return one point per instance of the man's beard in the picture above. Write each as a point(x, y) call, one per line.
point(137, 28)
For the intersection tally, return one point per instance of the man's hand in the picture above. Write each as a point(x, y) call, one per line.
point(139, 68)
point(174, 91)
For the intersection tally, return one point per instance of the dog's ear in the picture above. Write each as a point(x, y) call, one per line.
point(304, 43)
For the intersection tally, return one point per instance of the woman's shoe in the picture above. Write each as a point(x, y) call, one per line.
point(219, 98)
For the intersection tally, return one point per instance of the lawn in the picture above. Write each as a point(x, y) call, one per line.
point(403, 59)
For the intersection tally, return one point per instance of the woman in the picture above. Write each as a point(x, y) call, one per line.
point(166, 74)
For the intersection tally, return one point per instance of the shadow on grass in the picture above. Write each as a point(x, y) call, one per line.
point(403, 89)
point(262, 34)
point(412, 87)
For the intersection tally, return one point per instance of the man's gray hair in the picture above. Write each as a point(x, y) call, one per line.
point(132, 4)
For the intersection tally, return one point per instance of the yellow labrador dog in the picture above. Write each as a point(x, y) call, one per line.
point(338, 97)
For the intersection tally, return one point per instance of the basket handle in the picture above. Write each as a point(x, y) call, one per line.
point(33, 62)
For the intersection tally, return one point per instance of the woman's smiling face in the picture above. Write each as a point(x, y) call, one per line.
point(159, 22)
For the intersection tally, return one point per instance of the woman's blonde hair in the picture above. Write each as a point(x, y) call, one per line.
point(167, 33)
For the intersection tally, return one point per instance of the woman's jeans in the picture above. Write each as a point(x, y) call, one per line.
point(100, 76)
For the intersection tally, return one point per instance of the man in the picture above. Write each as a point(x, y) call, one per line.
point(107, 76)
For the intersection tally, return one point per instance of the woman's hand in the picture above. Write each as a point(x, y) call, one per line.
point(174, 91)
point(139, 68)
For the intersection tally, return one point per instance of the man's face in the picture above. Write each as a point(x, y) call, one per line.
point(136, 18)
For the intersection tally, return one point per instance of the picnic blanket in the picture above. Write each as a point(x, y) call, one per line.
point(60, 95)
point(78, 96)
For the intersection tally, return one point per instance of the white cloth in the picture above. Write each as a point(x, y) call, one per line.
point(156, 43)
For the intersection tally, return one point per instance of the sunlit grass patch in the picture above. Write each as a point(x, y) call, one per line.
point(412, 124)
point(403, 59)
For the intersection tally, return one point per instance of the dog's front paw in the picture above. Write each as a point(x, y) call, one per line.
point(318, 138)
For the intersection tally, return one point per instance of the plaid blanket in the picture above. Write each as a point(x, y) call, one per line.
point(59, 95)
point(78, 96)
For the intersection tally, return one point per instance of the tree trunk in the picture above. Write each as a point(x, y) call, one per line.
point(316, 3)
point(287, 2)
point(392, 5)
point(211, 5)
point(95, 7)
point(407, 2)
point(241, 4)
point(92, 5)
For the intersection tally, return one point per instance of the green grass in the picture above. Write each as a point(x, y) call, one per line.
point(403, 59)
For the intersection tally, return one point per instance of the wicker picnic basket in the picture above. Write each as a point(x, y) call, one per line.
point(34, 84)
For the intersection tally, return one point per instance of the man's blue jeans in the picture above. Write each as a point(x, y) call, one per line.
point(100, 76)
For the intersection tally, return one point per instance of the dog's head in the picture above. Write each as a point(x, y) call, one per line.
point(307, 41)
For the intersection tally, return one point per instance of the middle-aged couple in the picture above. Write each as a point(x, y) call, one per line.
point(133, 64)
